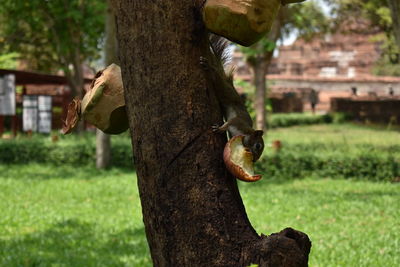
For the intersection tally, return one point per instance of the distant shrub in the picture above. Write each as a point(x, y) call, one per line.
point(74, 151)
point(365, 161)
point(324, 160)
point(292, 119)
point(340, 117)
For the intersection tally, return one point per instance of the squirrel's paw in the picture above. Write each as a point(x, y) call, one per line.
point(204, 63)
point(216, 128)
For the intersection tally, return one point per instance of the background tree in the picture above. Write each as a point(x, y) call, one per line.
point(394, 6)
point(192, 210)
point(103, 141)
point(9, 60)
point(305, 19)
point(53, 35)
point(383, 17)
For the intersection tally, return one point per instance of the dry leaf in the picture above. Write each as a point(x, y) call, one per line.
point(73, 116)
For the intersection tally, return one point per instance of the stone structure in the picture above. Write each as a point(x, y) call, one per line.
point(337, 65)
point(332, 56)
point(373, 109)
point(334, 87)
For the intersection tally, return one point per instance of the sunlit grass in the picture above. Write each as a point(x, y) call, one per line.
point(65, 216)
point(341, 134)
point(70, 217)
point(351, 223)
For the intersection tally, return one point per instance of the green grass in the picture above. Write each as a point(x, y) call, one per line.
point(336, 134)
point(69, 216)
point(66, 216)
point(350, 223)
point(335, 150)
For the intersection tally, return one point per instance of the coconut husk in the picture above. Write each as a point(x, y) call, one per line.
point(239, 160)
point(104, 104)
point(73, 116)
point(241, 21)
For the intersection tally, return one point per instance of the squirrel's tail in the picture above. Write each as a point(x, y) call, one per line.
point(219, 47)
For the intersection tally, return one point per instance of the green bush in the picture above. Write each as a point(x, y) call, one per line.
point(373, 161)
point(74, 151)
point(324, 160)
point(292, 119)
point(341, 117)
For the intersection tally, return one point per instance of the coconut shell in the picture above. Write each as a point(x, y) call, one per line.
point(104, 104)
point(239, 160)
point(241, 21)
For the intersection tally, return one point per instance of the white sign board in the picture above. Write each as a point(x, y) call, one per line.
point(37, 113)
point(44, 122)
point(29, 113)
point(7, 94)
point(44, 108)
point(44, 103)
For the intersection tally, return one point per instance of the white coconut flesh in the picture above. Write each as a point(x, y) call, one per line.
point(241, 157)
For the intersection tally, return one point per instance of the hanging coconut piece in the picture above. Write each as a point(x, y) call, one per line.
point(239, 160)
point(73, 116)
point(241, 21)
point(104, 105)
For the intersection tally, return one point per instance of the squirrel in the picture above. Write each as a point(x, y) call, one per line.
point(237, 119)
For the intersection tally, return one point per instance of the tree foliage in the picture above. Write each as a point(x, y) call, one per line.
point(9, 60)
point(306, 20)
point(53, 35)
point(383, 17)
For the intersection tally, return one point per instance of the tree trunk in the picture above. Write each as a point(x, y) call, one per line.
point(260, 94)
point(260, 64)
point(192, 210)
point(103, 141)
point(394, 6)
point(103, 150)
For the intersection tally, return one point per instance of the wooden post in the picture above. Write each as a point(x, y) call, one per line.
point(1, 125)
point(14, 125)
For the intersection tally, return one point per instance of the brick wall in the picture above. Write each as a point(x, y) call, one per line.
point(382, 110)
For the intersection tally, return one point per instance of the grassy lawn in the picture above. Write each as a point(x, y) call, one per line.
point(65, 216)
point(351, 223)
point(337, 134)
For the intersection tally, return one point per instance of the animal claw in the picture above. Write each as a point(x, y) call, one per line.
point(204, 63)
point(215, 128)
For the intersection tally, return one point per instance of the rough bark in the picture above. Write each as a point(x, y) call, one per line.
point(103, 141)
point(192, 210)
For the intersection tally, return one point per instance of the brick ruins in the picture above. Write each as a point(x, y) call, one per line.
point(336, 65)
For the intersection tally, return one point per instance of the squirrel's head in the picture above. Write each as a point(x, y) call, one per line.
point(255, 143)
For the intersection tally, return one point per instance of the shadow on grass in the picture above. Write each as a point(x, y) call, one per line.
point(73, 243)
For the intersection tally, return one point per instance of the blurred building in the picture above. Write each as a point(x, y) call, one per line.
point(337, 65)
point(30, 88)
